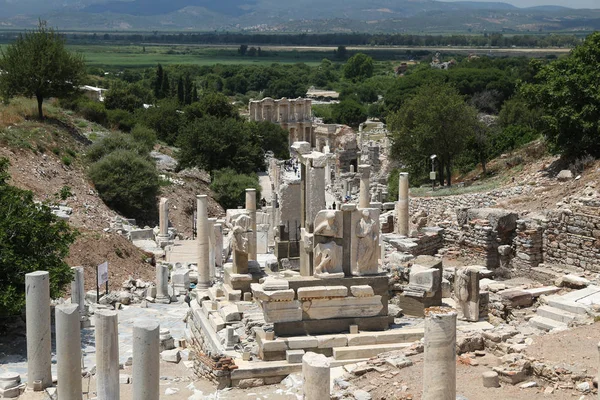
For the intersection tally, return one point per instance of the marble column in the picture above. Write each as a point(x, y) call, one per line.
point(403, 204)
point(164, 217)
point(316, 375)
point(352, 168)
point(315, 190)
point(107, 355)
point(146, 360)
point(78, 289)
point(212, 247)
point(37, 306)
point(68, 352)
point(218, 244)
point(439, 358)
point(202, 238)
point(364, 200)
point(251, 207)
point(162, 284)
point(599, 370)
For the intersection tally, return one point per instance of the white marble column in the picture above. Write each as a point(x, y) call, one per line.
point(439, 359)
point(218, 245)
point(146, 360)
point(202, 238)
point(315, 189)
point(37, 306)
point(78, 289)
point(316, 375)
point(212, 247)
point(68, 352)
point(364, 200)
point(107, 355)
point(164, 217)
point(162, 284)
point(251, 207)
point(403, 204)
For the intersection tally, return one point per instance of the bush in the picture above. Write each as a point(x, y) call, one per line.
point(349, 112)
point(121, 119)
point(67, 160)
point(144, 135)
point(127, 183)
point(513, 137)
point(94, 112)
point(31, 239)
point(230, 187)
point(116, 141)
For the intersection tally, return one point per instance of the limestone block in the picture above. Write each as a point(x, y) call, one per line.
point(572, 281)
point(181, 278)
point(302, 342)
point(362, 291)
point(429, 280)
point(172, 356)
point(282, 311)
point(273, 346)
point(517, 298)
point(294, 356)
point(301, 147)
point(216, 322)
point(275, 295)
point(11, 393)
point(564, 175)
point(230, 313)
point(316, 292)
point(331, 341)
point(270, 284)
point(345, 307)
point(361, 339)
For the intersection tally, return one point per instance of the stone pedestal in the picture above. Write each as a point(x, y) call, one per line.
point(68, 352)
point(162, 284)
point(107, 355)
point(146, 360)
point(78, 289)
point(37, 299)
point(251, 207)
point(439, 358)
point(403, 204)
point(364, 200)
point(316, 375)
point(202, 238)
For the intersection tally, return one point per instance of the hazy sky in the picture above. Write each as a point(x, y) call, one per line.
point(564, 3)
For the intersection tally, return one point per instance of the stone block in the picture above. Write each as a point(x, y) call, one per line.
point(428, 279)
point(272, 295)
point(294, 356)
point(317, 292)
point(329, 326)
point(331, 341)
point(342, 307)
point(270, 284)
point(172, 356)
point(302, 342)
point(231, 294)
point(564, 175)
point(10, 393)
point(216, 322)
point(353, 329)
point(361, 339)
point(230, 313)
point(517, 298)
point(362, 291)
point(282, 311)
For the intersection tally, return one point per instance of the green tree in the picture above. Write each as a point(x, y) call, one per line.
point(359, 67)
point(119, 141)
point(435, 121)
point(38, 64)
point(127, 183)
point(271, 137)
point(31, 239)
point(567, 92)
point(158, 82)
point(349, 112)
point(230, 187)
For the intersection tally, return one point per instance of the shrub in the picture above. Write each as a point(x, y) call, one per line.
point(116, 141)
point(94, 112)
point(580, 164)
point(65, 193)
point(67, 160)
point(128, 183)
point(31, 239)
point(230, 187)
point(121, 119)
point(144, 136)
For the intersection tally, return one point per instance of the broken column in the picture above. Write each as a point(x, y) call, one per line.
point(466, 289)
point(162, 284)
point(403, 204)
point(107, 355)
point(211, 247)
point(219, 245)
point(363, 200)
point(146, 360)
point(251, 207)
point(37, 303)
point(78, 289)
point(202, 237)
point(163, 211)
point(68, 352)
point(439, 357)
point(316, 374)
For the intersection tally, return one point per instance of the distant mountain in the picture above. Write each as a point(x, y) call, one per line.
point(418, 16)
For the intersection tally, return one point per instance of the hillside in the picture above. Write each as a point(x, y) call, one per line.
point(46, 158)
point(299, 16)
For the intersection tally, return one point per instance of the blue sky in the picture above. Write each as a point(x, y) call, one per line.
point(564, 3)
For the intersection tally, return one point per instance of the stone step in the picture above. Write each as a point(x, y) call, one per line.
point(567, 305)
point(557, 314)
point(546, 324)
point(368, 351)
point(577, 295)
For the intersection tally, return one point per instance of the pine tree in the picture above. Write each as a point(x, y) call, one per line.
point(180, 91)
point(158, 84)
point(166, 86)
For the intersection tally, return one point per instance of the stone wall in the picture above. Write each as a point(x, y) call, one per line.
point(528, 247)
point(572, 237)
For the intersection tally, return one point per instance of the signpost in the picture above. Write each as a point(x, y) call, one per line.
point(101, 278)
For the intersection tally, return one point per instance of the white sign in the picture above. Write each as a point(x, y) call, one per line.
point(102, 273)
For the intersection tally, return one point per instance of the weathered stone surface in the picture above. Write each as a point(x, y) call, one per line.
point(331, 341)
point(172, 356)
point(342, 307)
point(572, 281)
point(517, 298)
point(282, 311)
point(317, 292)
point(270, 284)
point(294, 356)
point(564, 175)
point(275, 295)
point(230, 313)
point(302, 342)
point(490, 379)
point(362, 291)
